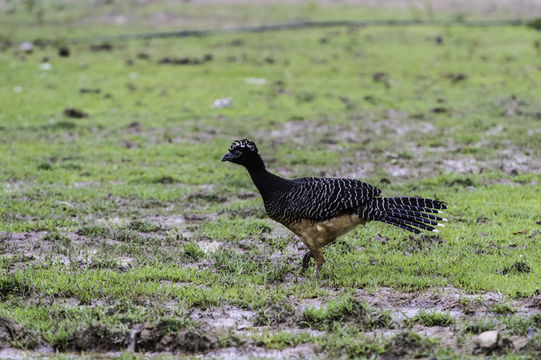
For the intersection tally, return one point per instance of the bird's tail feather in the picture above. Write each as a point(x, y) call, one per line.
point(410, 213)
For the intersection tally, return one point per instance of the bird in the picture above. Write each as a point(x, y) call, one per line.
point(319, 209)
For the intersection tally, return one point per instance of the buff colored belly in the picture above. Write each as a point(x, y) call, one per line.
point(319, 234)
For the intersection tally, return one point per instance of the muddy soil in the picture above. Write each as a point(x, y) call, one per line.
point(397, 128)
point(242, 325)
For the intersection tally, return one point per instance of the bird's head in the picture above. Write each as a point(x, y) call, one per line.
point(243, 152)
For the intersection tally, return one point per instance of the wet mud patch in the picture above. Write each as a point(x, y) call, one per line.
point(90, 247)
point(304, 132)
point(445, 335)
point(179, 220)
point(165, 337)
point(97, 338)
point(21, 249)
point(408, 345)
point(406, 145)
point(13, 334)
point(224, 318)
point(456, 303)
point(400, 123)
point(256, 351)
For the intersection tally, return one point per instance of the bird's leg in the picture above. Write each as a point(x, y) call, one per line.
point(316, 270)
point(315, 245)
point(306, 260)
point(317, 253)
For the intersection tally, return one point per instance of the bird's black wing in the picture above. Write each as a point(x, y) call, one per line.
point(320, 199)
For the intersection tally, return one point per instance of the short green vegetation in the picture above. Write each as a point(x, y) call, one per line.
point(431, 318)
point(121, 230)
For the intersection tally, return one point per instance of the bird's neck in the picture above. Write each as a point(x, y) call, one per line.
point(266, 182)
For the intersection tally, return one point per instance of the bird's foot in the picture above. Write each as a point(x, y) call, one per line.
point(306, 260)
point(316, 270)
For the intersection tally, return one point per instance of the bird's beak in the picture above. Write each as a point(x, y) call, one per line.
point(227, 157)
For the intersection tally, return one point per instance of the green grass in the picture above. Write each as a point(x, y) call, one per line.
point(127, 216)
point(431, 318)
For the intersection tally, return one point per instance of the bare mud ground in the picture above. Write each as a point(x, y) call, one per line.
point(389, 322)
